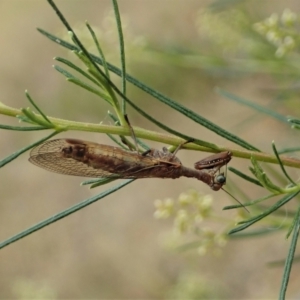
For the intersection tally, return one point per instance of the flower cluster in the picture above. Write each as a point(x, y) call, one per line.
point(189, 212)
point(280, 31)
point(190, 209)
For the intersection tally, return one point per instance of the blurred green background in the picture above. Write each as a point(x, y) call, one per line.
point(115, 249)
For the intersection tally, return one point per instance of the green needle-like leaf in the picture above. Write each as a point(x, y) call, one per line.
point(264, 179)
point(98, 182)
point(244, 176)
point(281, 165)
point(63, 214)
point(32, 117)
point(22, 128)
point(276, 206)
point(79, 70)
point(295, 121)
point(122, 52)
point(185, 111)
point(99, 49)
point(37, 108)
point(294, 223)
point(255, 106)
point(290, 258)
point(289, 150)
point(254, 233)
point(82, 84)
point(253, 202)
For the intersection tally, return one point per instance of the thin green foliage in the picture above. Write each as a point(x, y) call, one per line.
point(99, 49)
point(254, 233)
point(295, 122)
point(294, 223)
point(73, 79)
point(97, 182)
point(252, 105)
point(281, 262)
point(281, 165)
point(157, 95)
point(263, 178)
point(122, 52)
point(124, 140)
point(31, 117)
point(267, 212)
point(250, 203)
point(290, 257)
point(99, 83)
point(63, 214)
point(289, 150)
point(244, 176)
point(37, 108)
point(79, 70)
point(22, 128)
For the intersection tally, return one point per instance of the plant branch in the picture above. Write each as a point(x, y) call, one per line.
point(65, 125)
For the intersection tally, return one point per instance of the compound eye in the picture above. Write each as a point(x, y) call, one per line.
point(220, 179)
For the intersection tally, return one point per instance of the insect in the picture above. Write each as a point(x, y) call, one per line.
point(214, 162)
point(88, 159)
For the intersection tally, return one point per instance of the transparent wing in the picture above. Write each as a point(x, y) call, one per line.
point(49, 156)
point(54, 162)
point(55, 146)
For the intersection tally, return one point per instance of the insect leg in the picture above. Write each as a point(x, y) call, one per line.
point(132, 133)
point(214, 162)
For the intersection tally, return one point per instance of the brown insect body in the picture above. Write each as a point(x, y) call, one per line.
point(108, 159)
point(88, 159)
point(213, 164)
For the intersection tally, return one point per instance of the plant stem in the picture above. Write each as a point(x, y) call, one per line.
point(66, 125)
